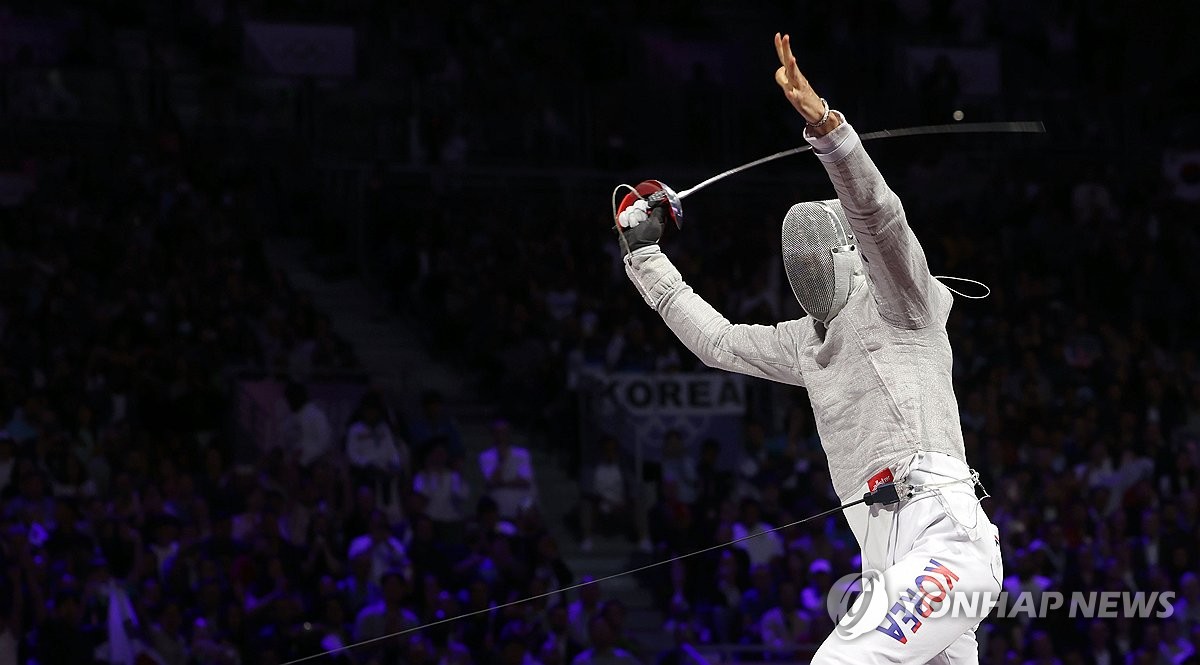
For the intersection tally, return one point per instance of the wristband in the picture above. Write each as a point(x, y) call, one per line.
point(824, 116)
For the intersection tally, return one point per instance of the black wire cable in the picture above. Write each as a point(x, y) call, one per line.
point(885, 494)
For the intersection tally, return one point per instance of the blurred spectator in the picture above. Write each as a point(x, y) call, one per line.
point(813, 594)
point(389, 614)
point(507, 472)
point(679, 468)
point(432, 423)
point(210, 647)
point(786, 626)
point(760, 597)
point(616, 614)
point(631, 350)
point(603, 649)
point(607, 502)
point(359, 588)
point(672, 522)
point(721, 601)
point(307, 434)
point(762, 549)
point(377, 458)
point(1099, 648)
point(1187, 603)
point(383, 550)
point(548, 562)
point(559, 646)
point(581, 610)
point(444, 490)
point(1025, 578)
point(167, 637)
point(7, 461)
point(70, 478)
point(370, 441)
point(1175, 647)
point(323, 543)
point(713, 482)
point(752, 463)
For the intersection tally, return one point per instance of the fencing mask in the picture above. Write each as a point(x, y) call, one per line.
point(820, 257)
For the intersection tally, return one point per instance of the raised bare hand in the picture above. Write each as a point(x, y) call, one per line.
point(795, 87)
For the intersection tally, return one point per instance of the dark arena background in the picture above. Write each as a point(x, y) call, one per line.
point(314, 327)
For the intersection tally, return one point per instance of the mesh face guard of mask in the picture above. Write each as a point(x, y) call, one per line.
point(820, 257)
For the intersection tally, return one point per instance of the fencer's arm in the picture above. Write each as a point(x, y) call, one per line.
point(766, 352)
point(906, 293)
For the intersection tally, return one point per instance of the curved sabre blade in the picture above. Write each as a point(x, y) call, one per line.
point(1035, 127)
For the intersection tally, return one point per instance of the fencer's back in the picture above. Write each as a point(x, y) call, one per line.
point(879, 392)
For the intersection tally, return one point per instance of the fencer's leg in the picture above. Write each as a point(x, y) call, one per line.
point(905, 626)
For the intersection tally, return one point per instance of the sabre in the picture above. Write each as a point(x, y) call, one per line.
point(655, 190)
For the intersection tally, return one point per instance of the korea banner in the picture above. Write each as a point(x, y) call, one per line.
point(300, 50)
point(705, 394)
point(640, 408)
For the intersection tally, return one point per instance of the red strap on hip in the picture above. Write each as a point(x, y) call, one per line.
point(878, 479)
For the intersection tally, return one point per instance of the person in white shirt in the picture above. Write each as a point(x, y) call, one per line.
point(385, 550)
point(308, 435)
point(378, 458)
point(764, 548)
point(608, 499)
point(388, 613)
point(679, 467)
point(507, 472)
point(752, 463)
point(442, 487)
point(370, 443)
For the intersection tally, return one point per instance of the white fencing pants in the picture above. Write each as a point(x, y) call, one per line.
point(939, 556)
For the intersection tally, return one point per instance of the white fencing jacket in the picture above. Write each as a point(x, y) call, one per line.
point(879, 373)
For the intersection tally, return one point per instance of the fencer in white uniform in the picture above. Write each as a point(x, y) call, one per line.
point(874, 354)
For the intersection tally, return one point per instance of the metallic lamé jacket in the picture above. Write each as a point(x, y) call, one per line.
point(879, 374)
